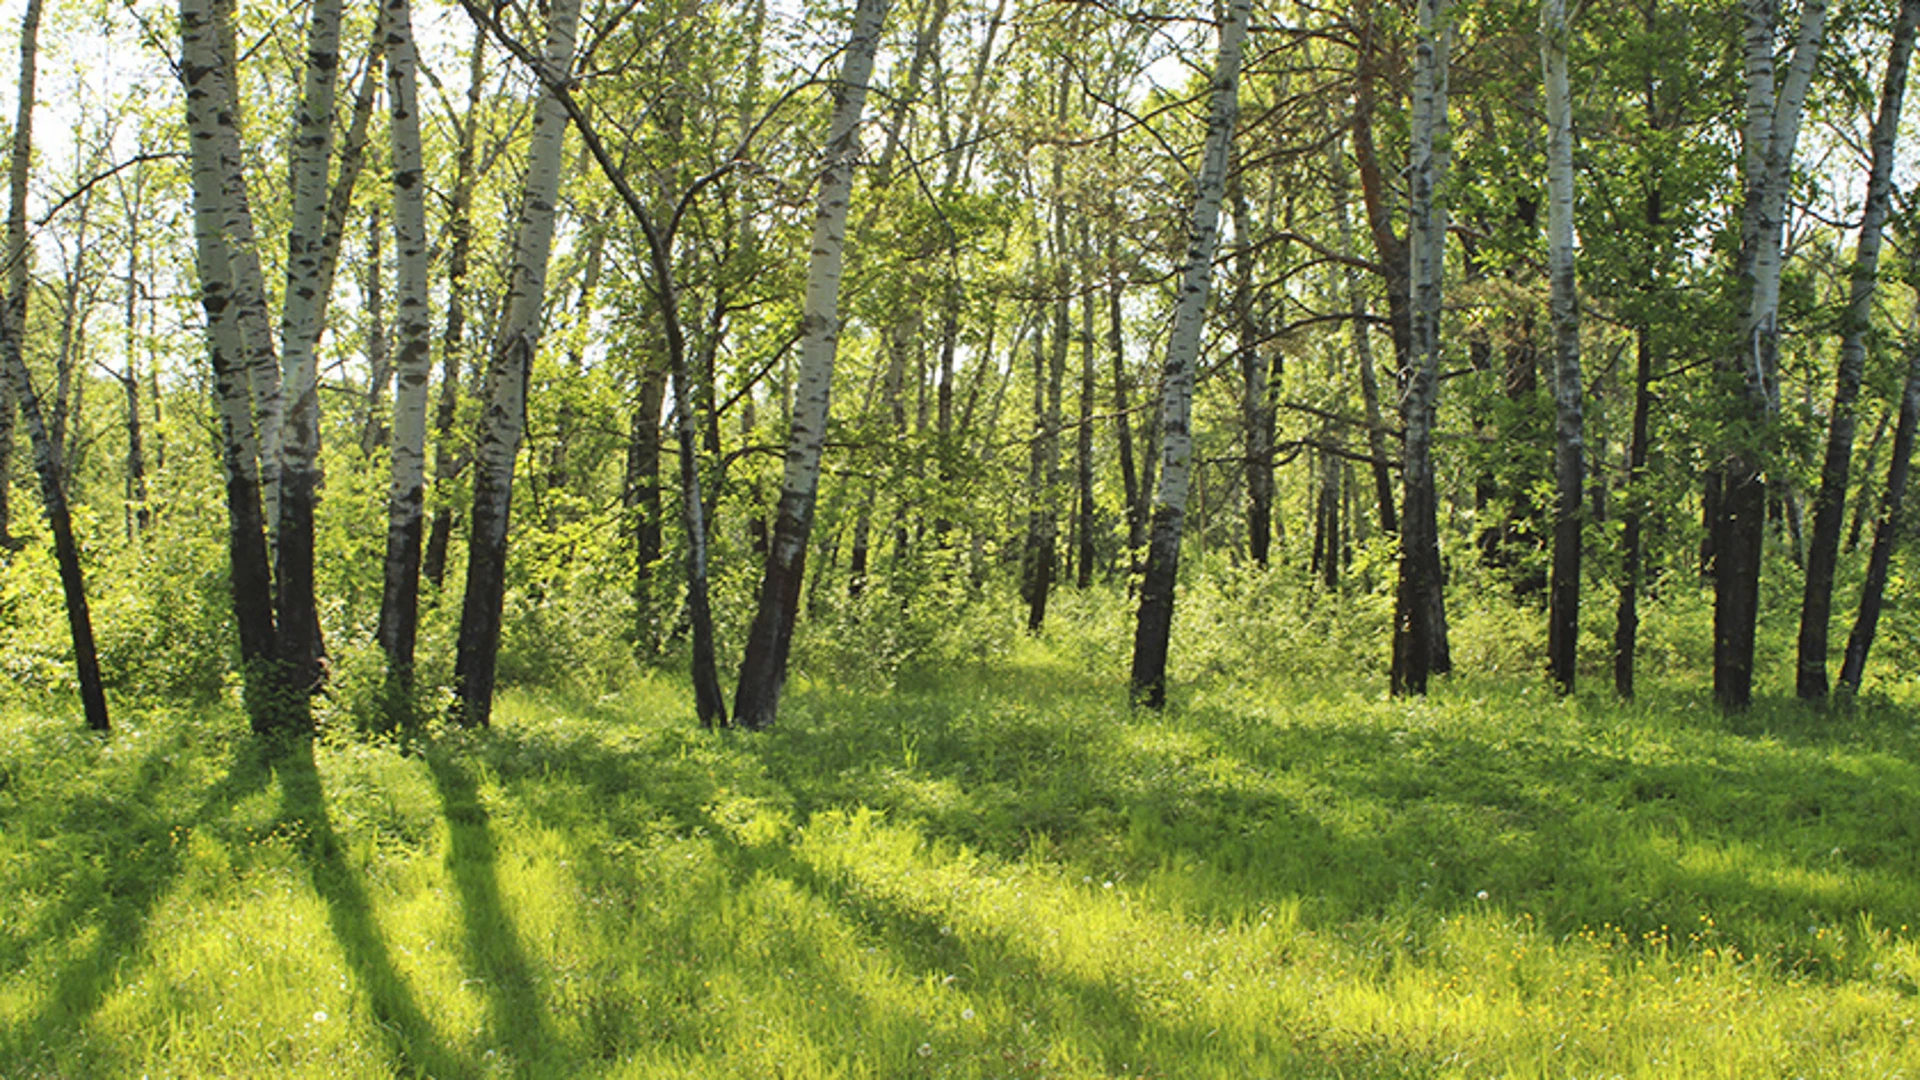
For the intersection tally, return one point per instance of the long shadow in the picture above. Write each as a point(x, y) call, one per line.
point(411, 1036)
point(133, 881)
point(494, 952)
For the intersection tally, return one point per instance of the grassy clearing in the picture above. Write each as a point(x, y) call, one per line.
point(994, 870)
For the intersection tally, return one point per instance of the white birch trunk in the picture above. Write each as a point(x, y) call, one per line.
point(260, 356)
point(209, 110)
point(413, 367)
point(764, 669)
point(301, 307)
point(1154, 625)
point(504, 421)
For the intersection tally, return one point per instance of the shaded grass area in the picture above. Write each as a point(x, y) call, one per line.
point(992, 870)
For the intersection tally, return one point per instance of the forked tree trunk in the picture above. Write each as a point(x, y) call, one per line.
point(1886, 530)
point(209, 109)
point(300, 314)
point(1569, 465)
point(400, 596)
point(1154, 625)
point(1829, 506)
point(763, 671)
point(247, 280)
point(504, 422)
point(1420, 624)
point(1771, 132)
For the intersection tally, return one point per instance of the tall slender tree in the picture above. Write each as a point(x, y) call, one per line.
point(300, 323)
point(1829, 506)
point(1569, 465)
point(1153, 626)
point(504, 423)
point(400, 596)
point(1770, 133)
point(47, 458)
point(210, 120)
point(1420, 646)
point(763, 671)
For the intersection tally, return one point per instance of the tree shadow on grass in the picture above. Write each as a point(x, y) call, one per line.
point(132, 879)
point(414, 1041)
point(516, 1014)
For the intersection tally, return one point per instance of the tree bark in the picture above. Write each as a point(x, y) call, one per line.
point(504, 422)
point(449, 459)
point(1569, 465)
point(763, 671)
point(1083, 450)
point(642, 497)
point(1256, 373)
point(1772, 128)
point(1420, 626)
point(204, 73)
point(1154, 625)
point(1361, 331)
point(399, 625)
point(1886, 531)
point(46, 450)
point(1829, 506)
point(300, 315)
point(374, 428)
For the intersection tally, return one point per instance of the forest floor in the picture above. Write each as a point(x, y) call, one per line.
point(991, 870)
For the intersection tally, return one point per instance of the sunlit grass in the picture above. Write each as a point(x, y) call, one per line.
point(992, 871)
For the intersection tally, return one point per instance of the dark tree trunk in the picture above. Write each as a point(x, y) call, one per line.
point(1816, 605)
point(1154, 624)
point(373, 426)
point(46, 449)
point(1886, 532)
point(1626, 630)
point(449, 459)
point(478, 649)
point(1037, 559)
point(642, 498)
point(1083, 516)
point(763, 669)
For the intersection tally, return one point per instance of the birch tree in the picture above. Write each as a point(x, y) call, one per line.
point(1771, 130)
point(301, 311)
point(763, 670)
point(1420, 619)
point(504, 421)
point(400, 595)
point(1569, 466)
point(1829, 506)
point(1154, 623)
point(210, 118)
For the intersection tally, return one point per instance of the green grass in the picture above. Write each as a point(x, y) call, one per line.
point(994, 870)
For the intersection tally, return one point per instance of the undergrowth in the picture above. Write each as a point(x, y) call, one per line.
point(960, 855)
